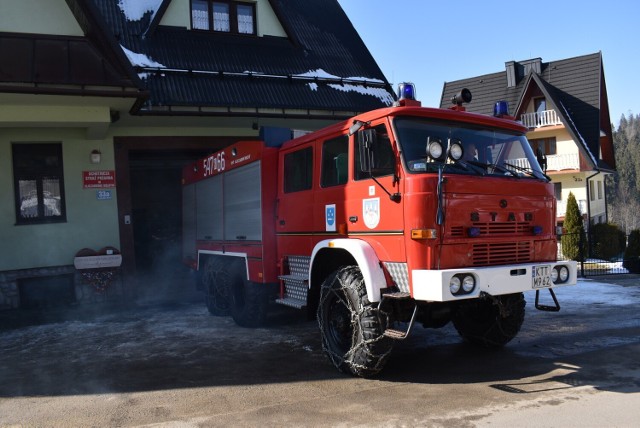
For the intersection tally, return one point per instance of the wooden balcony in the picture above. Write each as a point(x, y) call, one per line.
point(540, 119)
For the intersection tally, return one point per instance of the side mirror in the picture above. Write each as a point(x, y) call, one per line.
point(366, 142)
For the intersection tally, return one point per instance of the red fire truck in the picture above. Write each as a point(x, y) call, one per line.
point(398, 216)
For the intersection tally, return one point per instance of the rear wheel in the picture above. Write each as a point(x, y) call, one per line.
point(490, 323)
point(248, 300)
point(216, 282)
point(352, 327)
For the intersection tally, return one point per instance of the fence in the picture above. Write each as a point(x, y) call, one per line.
point(594, 256)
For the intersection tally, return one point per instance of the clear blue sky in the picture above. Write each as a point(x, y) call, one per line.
point(432, 42)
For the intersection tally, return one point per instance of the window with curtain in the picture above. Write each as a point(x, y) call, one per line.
point(38, 183)
point(224, 16)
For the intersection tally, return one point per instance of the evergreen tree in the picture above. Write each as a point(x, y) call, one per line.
point(623, 188)
point(574, 230)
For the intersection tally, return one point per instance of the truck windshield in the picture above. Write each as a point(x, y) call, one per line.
point(487, 151)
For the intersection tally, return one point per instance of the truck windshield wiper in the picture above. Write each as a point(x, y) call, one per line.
point(490, 166)
point(476, 167)
point(527, 171)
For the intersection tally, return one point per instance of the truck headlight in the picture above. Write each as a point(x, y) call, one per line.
point(454, 285)
point(468, 283)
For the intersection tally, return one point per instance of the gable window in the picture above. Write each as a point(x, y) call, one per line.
point(38, 183)
point(540, 105)
point(223, 16)
point(546, 145)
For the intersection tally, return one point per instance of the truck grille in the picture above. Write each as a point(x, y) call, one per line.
point(494, 229)
point(487, 254)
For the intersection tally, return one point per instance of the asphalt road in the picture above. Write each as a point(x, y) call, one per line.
point(174, 365)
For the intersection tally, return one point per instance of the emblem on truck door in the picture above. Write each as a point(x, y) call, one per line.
point(330, 218)
point(371, 212)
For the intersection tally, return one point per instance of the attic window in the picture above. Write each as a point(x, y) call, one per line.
point(223, 16)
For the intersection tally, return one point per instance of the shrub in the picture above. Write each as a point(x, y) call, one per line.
point(608, 241)
point(574, 230)
point(632, 253)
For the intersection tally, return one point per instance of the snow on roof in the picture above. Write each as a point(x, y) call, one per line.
point(134, 10)
point(141, 60)
point(321, 74)
point(379, 93)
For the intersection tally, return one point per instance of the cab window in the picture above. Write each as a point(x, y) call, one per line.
point(335, 168)
point(298, 170)
point(383, 158)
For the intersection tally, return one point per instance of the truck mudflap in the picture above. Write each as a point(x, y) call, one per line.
point(469, 283)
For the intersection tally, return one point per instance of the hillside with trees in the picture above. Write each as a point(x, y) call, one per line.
point(623, 188)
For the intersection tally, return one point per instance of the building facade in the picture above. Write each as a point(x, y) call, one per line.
point(102, 102)
point(564, 104)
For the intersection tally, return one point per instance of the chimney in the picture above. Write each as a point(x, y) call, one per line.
point(511, 74)
point(532, 66)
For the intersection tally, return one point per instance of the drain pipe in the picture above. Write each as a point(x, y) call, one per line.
point(589, 211)
point(589, 198)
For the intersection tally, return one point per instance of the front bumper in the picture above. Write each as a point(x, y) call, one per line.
point(433, 285)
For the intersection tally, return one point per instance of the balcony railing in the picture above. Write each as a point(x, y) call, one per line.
point(561, 162)
point(540, 119)
point(561, 207)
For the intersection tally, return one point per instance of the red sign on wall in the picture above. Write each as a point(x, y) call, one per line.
point(98, 179)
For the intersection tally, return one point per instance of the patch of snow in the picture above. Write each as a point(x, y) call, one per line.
point(321, 74)
point(313, 86)
point(379, 93)
point(134, 10)
point(140, 60)
point(592, 292)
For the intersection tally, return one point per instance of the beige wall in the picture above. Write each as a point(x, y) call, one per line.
point(37, 16)
point(90, 222)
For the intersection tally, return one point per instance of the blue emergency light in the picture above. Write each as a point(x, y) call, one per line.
point(501, 108)
point(406, 91)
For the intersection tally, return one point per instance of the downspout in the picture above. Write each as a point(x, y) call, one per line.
point(589, 240)
point(589, 198)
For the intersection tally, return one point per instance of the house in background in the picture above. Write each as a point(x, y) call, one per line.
point(131, 91)
point(564, 104)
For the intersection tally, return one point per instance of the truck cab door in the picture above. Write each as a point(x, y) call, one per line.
point(374, 198)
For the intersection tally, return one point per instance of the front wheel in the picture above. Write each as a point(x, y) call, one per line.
point(490, 323)
point(351, 327)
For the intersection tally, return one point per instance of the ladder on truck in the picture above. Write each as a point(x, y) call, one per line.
point(295, 284)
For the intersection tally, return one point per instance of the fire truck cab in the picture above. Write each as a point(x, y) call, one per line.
point(398, 216)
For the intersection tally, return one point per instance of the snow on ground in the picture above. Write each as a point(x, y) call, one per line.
point(589, 291)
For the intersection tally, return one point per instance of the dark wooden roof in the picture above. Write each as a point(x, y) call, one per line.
point(67, 65)
point(213, 71)
point(572, 86)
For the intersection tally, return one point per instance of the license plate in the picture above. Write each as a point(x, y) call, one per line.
point(541, 276)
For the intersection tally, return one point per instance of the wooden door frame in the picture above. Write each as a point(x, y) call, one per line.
point(122, 148)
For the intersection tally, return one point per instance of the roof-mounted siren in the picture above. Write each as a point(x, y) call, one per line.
point(462, 97)
point(501, 109)
point(407, 95)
